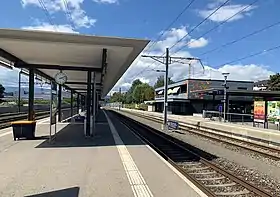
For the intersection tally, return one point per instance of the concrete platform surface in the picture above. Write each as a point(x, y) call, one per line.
point(113, 163)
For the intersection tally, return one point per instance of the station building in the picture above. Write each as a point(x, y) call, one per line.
point(190, 96)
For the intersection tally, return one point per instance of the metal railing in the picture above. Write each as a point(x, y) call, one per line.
point(239, 118)
point(230, 117)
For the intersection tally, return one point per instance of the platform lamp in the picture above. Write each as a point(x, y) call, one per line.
point(21, 72)
point(225, 93)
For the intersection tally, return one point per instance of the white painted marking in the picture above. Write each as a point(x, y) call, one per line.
point(69, 118)
point(137, 182)
point(196, 189)
point(44, 120)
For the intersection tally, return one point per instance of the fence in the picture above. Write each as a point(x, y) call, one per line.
point(237, 118)
point(230, 117)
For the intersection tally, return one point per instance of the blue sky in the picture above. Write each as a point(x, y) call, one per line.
point(148, 18)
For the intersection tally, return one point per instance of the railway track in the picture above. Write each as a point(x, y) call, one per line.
point(269, 152)
point(193, 163)
point(6, 119)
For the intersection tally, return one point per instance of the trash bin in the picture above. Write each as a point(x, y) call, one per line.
point(24, 129)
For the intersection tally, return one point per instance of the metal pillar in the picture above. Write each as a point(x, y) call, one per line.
point(71, 104)
point(165, 104)
point(92, 98)
point(225, 95)
point(59, 103)
point(94, 101)
point(19, 91)
point(31, 112)
point(97, 103)
point(88, 101)
point(83, 102)
point(78, 103)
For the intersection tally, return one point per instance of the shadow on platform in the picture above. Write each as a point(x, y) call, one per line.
point(69, 192)
point(72, 135)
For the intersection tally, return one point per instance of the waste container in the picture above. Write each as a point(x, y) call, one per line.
point(24, 129)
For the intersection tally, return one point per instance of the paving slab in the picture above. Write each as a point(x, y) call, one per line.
point(72, 166)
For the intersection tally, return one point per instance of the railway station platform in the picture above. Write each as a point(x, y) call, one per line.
point(267, 137)
point(114, 162)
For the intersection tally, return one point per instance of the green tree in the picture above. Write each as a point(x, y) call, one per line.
point(128, 98)
point(160, 82)
point(274, 82)
point(143, 92)
point(2, 90)
point(129, 94)
point(117, 97)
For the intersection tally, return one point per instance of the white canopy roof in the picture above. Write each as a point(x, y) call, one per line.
point(50, 52)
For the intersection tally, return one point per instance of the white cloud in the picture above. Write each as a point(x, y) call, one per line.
point(237, 72)
point(49, 27)
point(77, 15)
point(179, 71)
point(106, 1)
point(226, 11)
point(201, 42)
point(171, 37)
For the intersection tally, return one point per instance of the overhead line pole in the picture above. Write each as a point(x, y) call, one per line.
point(165, 108)
point(167, 60)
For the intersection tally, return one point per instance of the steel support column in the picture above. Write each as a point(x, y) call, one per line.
point(59, 95)
point(88, 102)
point(97, 103)
point(78, 102)
point(94, 98)
point(19, 91)
point(93, 103)
point(31, 112)
point(92, 95)
point(71, 104)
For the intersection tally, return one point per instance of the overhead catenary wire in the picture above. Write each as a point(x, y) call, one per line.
point(42, 4)
point(217, 26)
point(172, 23)
point(251, 55)
point(166, 29)
point(219, 7)
point(241, 38)
point(68, 13)
point(201, 22)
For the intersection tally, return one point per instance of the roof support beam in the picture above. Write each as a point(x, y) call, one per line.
point(84, 89)
point(57, 67)
point(8, 56)
point(17, 61)
point(79, 83)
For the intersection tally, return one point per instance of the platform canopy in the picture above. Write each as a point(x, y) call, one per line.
point(74, 54)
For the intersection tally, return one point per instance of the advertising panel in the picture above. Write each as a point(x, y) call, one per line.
point(273, 111)
point(259, 111)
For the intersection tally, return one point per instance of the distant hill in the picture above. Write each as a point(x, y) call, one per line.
point(43, 93)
